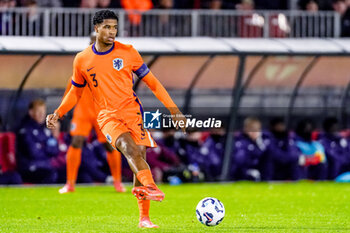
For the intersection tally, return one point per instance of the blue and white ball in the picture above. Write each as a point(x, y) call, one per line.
point(210, 211)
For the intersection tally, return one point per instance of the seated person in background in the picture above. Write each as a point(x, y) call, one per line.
point(283, 152)
point(163, 163)
point(313, 158)
point(170, 140)
point(213, 150)
point(94, 163)
point(335, 146)
point(189, 153)
point(36, 146)
point(249, 149)
point(59, 161)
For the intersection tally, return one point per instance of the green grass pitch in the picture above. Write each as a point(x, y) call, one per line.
point(250, 207)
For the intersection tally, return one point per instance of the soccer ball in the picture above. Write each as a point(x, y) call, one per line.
point(210, 211)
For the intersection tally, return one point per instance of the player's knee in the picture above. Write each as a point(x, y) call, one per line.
point(133, 151)
point(128, 147)
point(143, 152)
point(78, 141)
point(129, 150)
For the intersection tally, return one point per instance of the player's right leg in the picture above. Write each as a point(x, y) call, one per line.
point(73, 163)
point(135, 156)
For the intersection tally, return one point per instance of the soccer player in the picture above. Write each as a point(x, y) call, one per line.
point(106, 67)
point(84, 119)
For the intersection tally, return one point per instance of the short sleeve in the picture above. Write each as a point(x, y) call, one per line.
point(78, 79)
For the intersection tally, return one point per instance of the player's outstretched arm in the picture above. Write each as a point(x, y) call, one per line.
point(160, 92)
point(67, 104)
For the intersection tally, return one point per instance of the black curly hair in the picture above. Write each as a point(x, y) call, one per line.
point(103, 14)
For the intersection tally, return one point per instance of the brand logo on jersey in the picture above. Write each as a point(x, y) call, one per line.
point(90, 68)
point(152, 120)
point(109, 138)
point(118, 64)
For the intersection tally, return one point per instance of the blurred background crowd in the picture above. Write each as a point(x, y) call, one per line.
point(35, 154)
point(263, 149)
point(309, 5)
point(243, 22)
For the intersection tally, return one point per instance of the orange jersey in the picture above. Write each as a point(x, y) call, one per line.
point(84, 116)
point(109, 75)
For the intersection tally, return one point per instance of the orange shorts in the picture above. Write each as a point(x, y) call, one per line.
point(82, 124)
point(113, 124)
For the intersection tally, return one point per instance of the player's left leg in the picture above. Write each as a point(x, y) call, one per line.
point(115, 164)
point(143, 205)
point(73, 163)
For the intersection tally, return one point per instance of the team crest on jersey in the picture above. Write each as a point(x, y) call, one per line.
point(118, 64)
point(109, 138)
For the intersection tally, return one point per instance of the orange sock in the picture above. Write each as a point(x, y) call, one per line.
point(73, 163)
point(114, 160)
point(145, 177)
point(144, 207)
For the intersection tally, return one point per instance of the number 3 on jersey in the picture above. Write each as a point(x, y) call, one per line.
point(94, 79)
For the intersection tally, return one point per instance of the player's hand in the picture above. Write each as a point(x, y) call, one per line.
point(51, 120)
point(180, 120)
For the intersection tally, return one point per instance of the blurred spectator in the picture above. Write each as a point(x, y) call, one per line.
point(104, 3)
point(95, 3)
point(163, 163)
point(93, 164)
point(249, 149)
point(59, 161)
point(336, 147)
point(313, 158)
point(342, 8)
point(309, 25)
point(188, 151)
point(283, 160)
point(246, 5)
point(34, 19)
point(165, 28)
point(4, 4)
point(49, 3)
point(6, 19)
point(215, 5)
point(309, 5)
point(36, 146)
point(251, 23)
point(136, 7)
point(213, 150)
point(190, 154)
point(89, 3)
point(171, 141)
